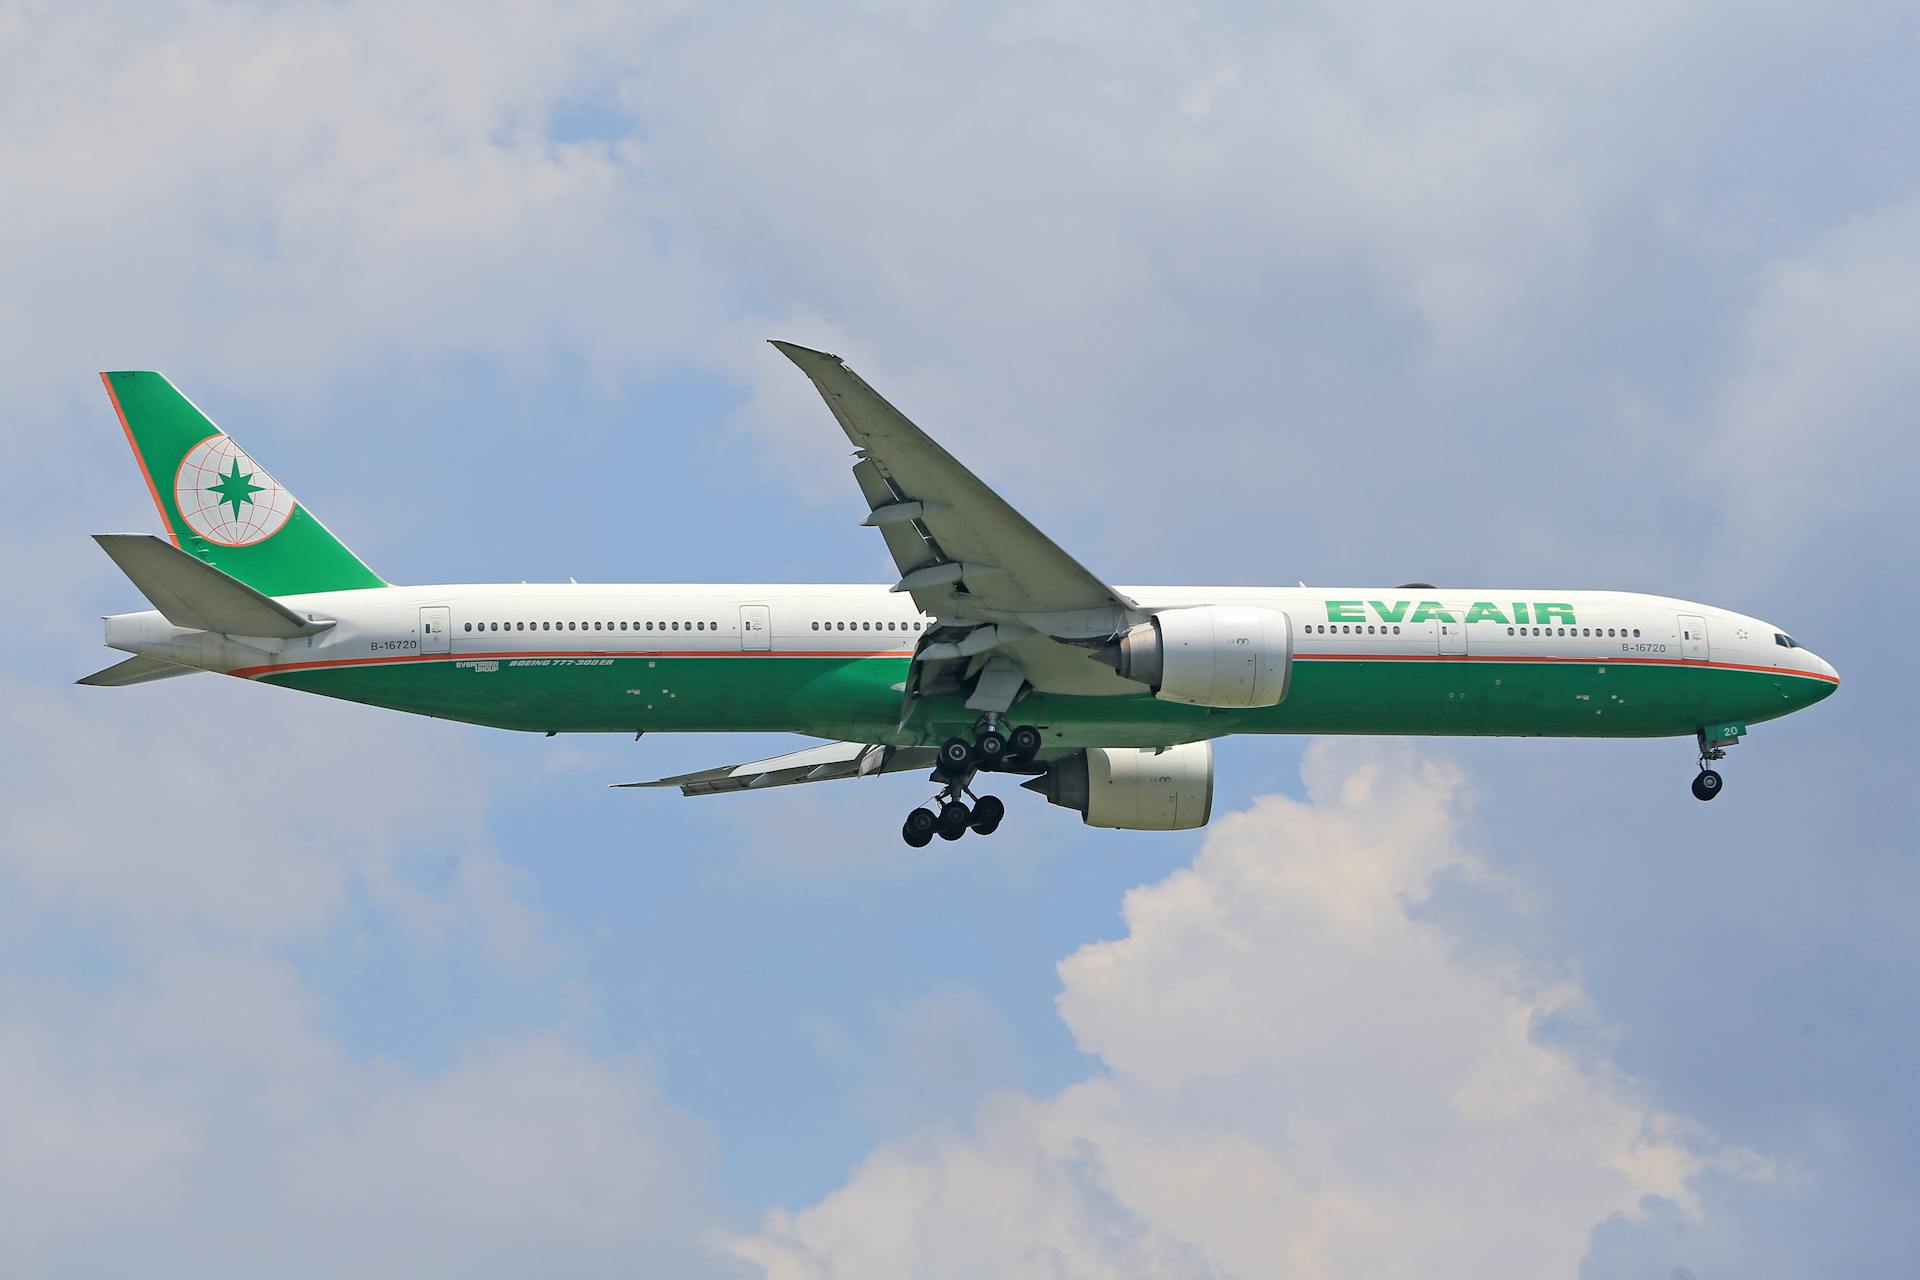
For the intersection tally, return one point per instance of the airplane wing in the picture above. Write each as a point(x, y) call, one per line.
point(812, 764)
point(1006, 600)
point(960, 548)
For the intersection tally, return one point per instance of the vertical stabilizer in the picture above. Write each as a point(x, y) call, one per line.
point(219, 504)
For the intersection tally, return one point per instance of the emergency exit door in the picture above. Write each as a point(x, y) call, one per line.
point(436, 630)
point(1693, 637)
point(756, 628)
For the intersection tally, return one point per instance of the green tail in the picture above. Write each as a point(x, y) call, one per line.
point(222, 506)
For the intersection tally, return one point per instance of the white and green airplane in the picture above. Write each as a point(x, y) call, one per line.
point(995, 652)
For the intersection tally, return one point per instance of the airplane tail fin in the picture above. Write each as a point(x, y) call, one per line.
point(219, 504)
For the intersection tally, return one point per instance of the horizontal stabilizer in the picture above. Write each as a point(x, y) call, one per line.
point(812, 764)
point(191, 593)
point(135, 670)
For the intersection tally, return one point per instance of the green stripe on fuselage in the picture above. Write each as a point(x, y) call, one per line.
point(856, 698)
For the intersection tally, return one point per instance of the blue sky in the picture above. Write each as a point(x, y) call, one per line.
point(1366, 293)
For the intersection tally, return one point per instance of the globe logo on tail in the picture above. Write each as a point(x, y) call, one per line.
point(228, 498)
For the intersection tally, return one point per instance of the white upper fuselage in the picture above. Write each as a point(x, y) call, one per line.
point(868, 619)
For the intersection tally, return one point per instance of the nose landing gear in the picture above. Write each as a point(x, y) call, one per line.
point(1713, 747)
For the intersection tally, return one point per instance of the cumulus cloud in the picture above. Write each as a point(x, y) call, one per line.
point(1300, 1075)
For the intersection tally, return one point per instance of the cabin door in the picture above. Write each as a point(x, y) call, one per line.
point(436, 630)
point(756, 628)
point(1693, 637)
point(1452, 635)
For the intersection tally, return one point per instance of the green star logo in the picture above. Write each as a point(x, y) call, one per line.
point(235, 488)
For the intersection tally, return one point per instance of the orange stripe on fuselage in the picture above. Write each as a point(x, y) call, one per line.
point(138, 457)
point(249, 673)
point(1542, 657)
point(507, 654)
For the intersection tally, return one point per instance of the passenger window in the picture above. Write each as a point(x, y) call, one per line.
point(469, 626)
point(1636, 633)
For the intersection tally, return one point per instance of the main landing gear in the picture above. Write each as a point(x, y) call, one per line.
point(954, 819)
point(993, 748)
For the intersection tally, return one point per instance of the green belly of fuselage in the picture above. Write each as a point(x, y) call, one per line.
point(858, 699)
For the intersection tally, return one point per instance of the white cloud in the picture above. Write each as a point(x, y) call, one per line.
point(170, 1070)
point(200, 1120)
point(212, 803)
point(1299, 1077)
point(275, 193)
point(1799, 435)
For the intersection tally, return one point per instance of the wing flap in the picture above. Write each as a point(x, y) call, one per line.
point(811, 764)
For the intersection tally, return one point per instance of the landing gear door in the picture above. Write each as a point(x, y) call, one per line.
point(1693, 637)
point(436, 630)
point(756, 628)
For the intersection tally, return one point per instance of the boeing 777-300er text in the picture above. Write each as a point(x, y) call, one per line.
point(995, 652)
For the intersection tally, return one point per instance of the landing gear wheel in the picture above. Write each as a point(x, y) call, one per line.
point(919, 828)
point(991, 746)
point(1707, 785)
point(956, 757)
point(954, 817)
point(1024, 742)
point(987, 812)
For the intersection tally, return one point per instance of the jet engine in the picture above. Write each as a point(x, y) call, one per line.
point(1214, 655)
point(1136, 789)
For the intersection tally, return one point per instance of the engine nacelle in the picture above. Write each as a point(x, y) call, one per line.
point(1136, 789)
point(1213, 655)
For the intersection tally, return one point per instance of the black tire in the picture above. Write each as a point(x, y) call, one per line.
point(987, 813)
point(956, 757)
point(991, 747)
point(1707, 785)
point(919, 827)
point(1024, 742)
point(954, 817)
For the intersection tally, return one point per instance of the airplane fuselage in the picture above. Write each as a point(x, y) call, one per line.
point(830, 661)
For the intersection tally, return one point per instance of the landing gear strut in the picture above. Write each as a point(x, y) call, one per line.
point(1707, 783)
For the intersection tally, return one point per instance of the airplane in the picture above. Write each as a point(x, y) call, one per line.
point(995, 652)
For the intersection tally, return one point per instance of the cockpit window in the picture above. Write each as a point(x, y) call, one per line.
point(1785, 641)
